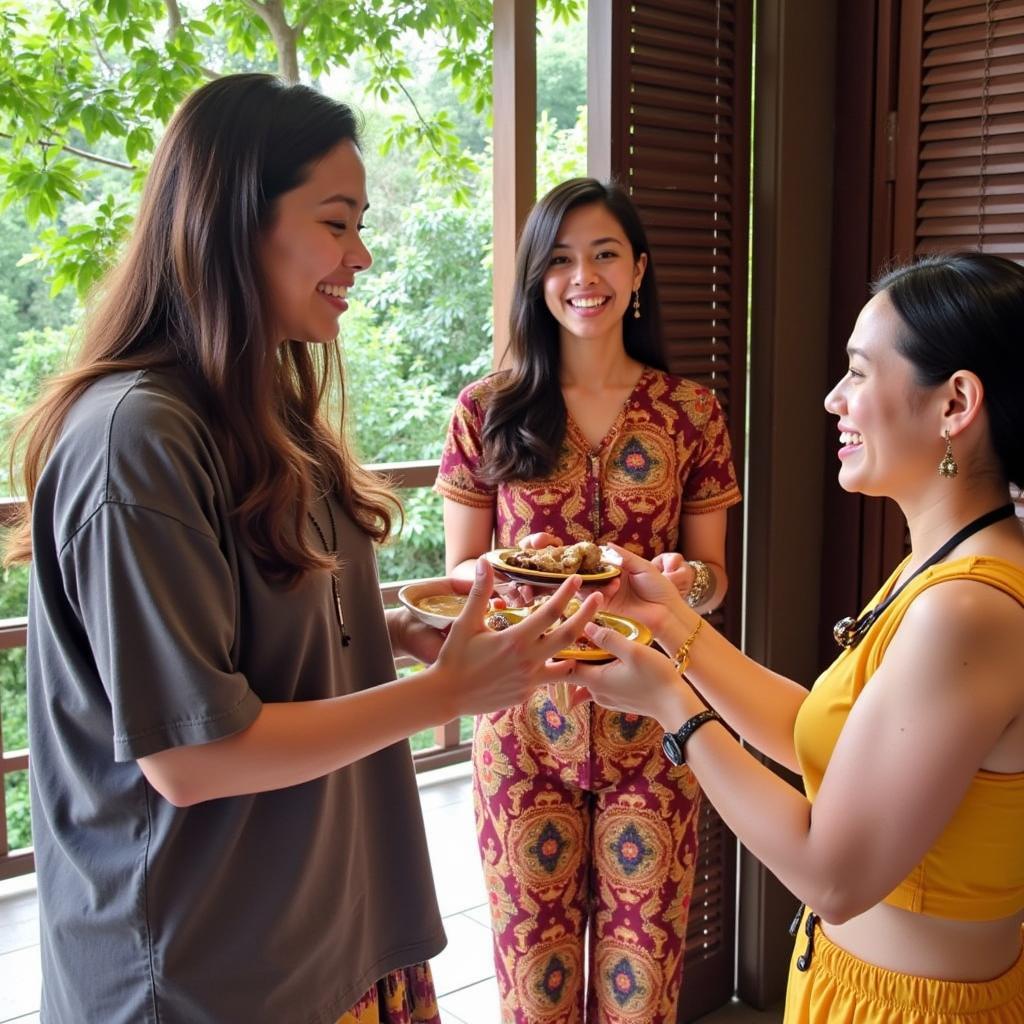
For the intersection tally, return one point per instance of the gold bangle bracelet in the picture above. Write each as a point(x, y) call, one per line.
point(703, 584)
point(681, 660)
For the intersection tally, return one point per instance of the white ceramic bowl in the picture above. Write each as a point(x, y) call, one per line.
point(411, 593)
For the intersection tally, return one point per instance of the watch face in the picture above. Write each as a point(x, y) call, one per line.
point(673, 751)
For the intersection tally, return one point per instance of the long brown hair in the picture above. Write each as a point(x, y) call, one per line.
point(526, 418)
point(189, 292)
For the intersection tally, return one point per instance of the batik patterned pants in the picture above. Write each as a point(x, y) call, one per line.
point(401, 997)
point(588, 836)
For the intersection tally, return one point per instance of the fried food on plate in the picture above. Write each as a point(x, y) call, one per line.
point(584, 557)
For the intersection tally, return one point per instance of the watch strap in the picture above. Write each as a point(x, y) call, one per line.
point(674, 743)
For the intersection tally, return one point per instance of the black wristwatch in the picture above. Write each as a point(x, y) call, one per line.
point(674, 743)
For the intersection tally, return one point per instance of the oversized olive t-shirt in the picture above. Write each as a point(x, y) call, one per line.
point(150, 627)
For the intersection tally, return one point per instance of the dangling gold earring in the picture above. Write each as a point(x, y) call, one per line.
point(636, 304)
point(948, 467)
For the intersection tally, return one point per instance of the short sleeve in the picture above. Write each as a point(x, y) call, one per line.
point(458, 477)
point(710, 483)
point(158, 602)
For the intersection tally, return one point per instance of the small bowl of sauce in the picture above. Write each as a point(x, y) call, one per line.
point(433, 601)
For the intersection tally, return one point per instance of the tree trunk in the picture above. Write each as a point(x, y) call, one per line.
point(285, 37)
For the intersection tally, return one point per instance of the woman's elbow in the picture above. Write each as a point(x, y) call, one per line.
point(178, 788)
point(837, 904)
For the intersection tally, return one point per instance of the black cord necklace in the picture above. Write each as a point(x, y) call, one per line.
point(333, 552)
point(850, 631)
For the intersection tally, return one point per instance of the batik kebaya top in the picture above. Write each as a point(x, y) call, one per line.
point(667, 454)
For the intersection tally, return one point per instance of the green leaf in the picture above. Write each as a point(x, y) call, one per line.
point(138, 140)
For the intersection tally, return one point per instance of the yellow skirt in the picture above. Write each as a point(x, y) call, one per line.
point(401, 997)
point(839, 988)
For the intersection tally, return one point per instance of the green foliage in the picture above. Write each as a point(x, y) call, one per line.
point(562, 72)
point(38, 354)
point(13, 709)
point(85, 89)
point(25, 302)
point(93, 81)
point(431, 291)
point(19, 824)
point(561, 152)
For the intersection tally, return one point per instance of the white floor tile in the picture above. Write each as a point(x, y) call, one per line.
point(481, 914)
point(458, 876)
point(21, 974)
point(18, 934)
point(444, 794)
point(466, 960)
point(477, 1004)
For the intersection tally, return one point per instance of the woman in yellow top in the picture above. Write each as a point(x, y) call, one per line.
point(908, 849)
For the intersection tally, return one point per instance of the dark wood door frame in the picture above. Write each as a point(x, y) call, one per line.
point(794, 118)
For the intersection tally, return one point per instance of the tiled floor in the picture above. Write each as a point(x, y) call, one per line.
point(463, 973)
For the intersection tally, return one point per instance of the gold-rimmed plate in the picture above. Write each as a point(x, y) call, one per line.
point(629, 628)
point(497, 559)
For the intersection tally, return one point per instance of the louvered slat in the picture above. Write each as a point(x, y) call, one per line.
point(969, 70)
point(957, 14)
point(958, 203)
point(973, 32)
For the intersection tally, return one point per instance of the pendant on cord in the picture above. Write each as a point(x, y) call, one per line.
point(332, 551)
point(336, 591)
point(848, 631)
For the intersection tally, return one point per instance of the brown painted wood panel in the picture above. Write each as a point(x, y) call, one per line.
point(669, 117)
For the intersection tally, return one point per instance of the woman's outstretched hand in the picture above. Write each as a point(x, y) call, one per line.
point(639, 681)
point(643, 592)
point(482, 670)
point(676, 569)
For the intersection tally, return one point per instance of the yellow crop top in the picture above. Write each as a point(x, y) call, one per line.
point(975, 870)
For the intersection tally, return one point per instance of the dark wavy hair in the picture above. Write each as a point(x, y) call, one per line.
point(189, 292)
point(526, 418)
point(965, 311)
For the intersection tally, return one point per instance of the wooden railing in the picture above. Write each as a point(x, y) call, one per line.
point(448, 747)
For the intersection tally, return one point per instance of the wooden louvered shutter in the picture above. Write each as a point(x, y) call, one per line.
point(669, 100)
point(960, 124)
point(952, 177)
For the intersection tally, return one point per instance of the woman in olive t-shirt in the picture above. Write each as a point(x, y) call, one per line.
point(225, 817)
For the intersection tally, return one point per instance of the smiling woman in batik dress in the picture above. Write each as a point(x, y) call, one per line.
point(583, 825)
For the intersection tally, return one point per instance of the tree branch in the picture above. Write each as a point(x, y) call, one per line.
point(173, 17)
point(101, 55)
point(416, 110)
point(94, 157)
point(174, 25)
point(422, 120)
point(271, 13)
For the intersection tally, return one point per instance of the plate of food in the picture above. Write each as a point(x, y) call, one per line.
point(581, 649)
point(553, 564)
point(433, 601)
